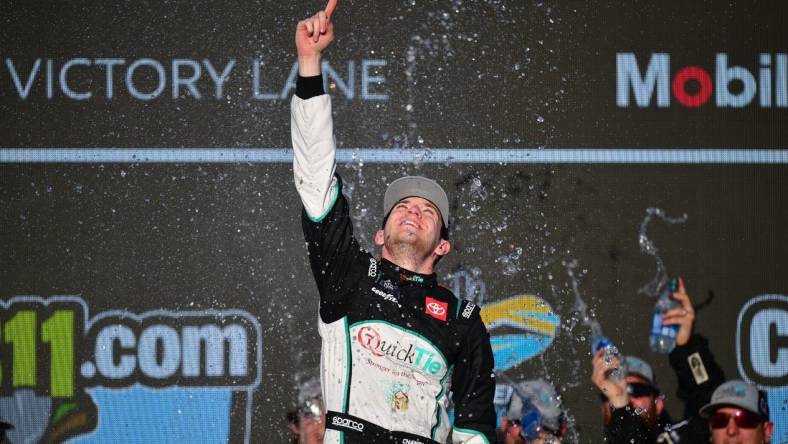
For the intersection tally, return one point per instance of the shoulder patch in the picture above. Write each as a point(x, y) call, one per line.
point(465, 310)
point(698, 369)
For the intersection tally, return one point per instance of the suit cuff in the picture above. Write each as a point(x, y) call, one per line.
point(308, 87)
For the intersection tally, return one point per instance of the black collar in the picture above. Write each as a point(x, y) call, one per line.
point(406, 276)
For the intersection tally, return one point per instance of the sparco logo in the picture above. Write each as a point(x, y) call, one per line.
point(411, 441)
point(411, 355)
point(347, 423)
point(693, 86)
point(373, 268)
point(468, 310)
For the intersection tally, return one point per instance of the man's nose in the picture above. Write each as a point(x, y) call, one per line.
point(732, 429)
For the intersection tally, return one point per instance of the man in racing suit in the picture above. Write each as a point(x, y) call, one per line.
point(394, 342)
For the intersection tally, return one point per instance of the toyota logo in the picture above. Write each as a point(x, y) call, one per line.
point(436, 308)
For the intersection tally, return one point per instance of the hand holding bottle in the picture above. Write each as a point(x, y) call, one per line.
point(683, 317)
point(614, 388)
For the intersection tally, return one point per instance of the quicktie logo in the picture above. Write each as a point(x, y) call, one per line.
point(693, 86)
point(411, 355)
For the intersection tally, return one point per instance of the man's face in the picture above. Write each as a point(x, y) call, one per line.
point(546, 438)
point(311, 429)
point(733, 434)
point(649, 406)
point(414, 224)
point(511, 432)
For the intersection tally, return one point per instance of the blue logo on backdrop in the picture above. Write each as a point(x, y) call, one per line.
point(762, 353)
point(162, 376)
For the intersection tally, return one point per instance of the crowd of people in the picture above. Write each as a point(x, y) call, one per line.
point(632, 407)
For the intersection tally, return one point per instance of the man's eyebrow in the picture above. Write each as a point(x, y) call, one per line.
point(431, 205)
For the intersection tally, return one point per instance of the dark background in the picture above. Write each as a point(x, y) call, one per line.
point(491, 74)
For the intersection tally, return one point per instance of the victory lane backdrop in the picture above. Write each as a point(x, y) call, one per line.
point(173, 302)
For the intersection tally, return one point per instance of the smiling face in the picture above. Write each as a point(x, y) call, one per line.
point(413, 230)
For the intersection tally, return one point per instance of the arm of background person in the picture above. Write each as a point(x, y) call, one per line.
point(697, 372)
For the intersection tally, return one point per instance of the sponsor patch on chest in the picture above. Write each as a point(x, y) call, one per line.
point(435, 308)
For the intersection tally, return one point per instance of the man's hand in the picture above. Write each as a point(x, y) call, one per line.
point(614, 389)
point(312, 37)
point(683, 316)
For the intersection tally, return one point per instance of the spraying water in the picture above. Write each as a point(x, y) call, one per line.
point(468, 285)
point(655, 286)
point(598, 338)
point(581, 307)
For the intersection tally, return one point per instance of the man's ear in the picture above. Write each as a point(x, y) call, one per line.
point(659, 404)
point(768, 429)
point(443, 248)
point(504, 423)
point(294, 427)
point(379, 238)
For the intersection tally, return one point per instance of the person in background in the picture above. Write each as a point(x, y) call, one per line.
point(308, 421)
point(738, 414)
point(531, 412)
point(3, 427)
point(633, 407)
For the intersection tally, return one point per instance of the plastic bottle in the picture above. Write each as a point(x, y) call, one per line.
point(599, 342)
point(663, 337)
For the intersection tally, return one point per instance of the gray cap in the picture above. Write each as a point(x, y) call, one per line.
point(737, 393)
point(419, 187)
point(543, 396)
point(640, 368)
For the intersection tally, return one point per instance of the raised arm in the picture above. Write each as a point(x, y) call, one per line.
point(311, 125)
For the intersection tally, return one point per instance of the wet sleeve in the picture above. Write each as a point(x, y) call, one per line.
point(314, 152)
point(697, 372)
point(473, 384)
point(335, 256)
point(625, 427)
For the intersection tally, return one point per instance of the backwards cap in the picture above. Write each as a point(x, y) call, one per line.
point(417, 186)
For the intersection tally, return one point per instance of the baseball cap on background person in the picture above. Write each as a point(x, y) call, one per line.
point(537, 406)
point(417, 186)
point(737, 393)
point(305, 421)
point(310, 397)
point(638, 367)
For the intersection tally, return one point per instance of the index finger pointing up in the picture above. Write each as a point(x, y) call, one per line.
point(330, 7)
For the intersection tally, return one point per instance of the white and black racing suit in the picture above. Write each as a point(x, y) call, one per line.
point(394, 342)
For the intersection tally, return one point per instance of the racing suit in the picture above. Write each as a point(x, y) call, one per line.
point(394, 342)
